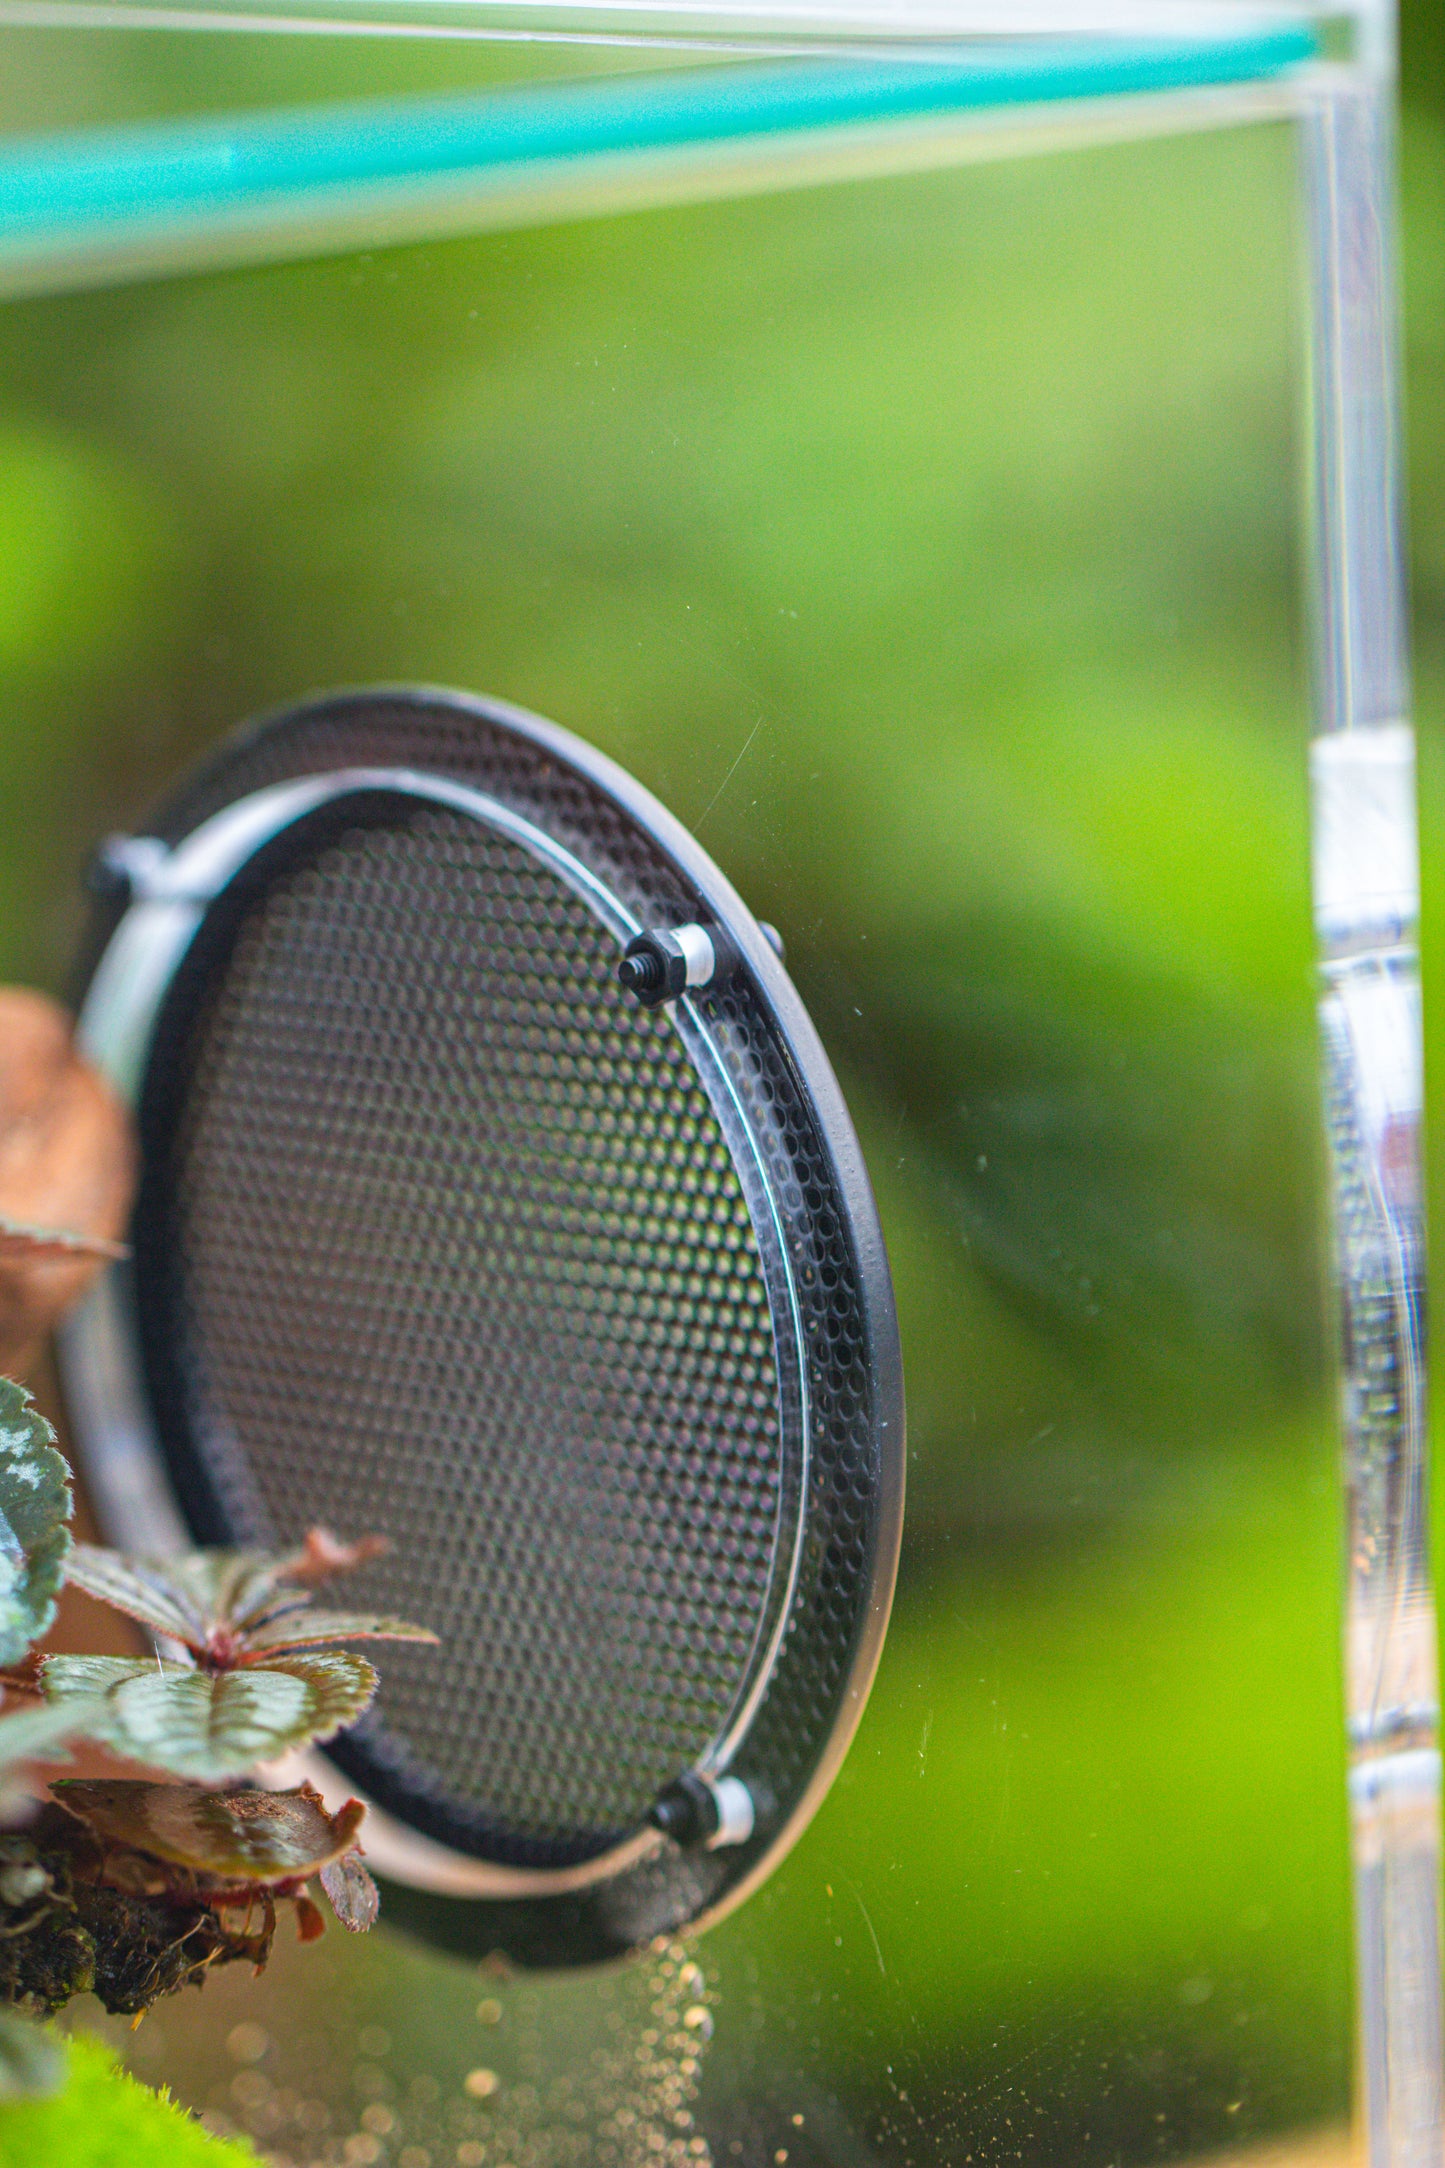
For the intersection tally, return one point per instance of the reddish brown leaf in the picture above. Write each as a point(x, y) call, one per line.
point(323, 1555)
point(310, 1919)
point(355, 1898)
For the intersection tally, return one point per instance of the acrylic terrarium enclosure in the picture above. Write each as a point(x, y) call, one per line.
point(921, 522)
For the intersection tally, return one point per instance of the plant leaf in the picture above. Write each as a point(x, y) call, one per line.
point(322, 1555)
point(238, 1589)
point(32, 2060)
point(343, 1685)
point(241, 1836)
point(39, 1733)
point(214, 1725)
point(355, 1898)
point(66, 1679)
point(35, 1504)
point(47, 1245)
point(221, 1603)
point(143, 1588)
point(191, 1596)
point(303, 1628)
point(223, 1585)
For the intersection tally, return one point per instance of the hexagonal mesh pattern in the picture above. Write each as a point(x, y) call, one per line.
point(379, 1282)
point(455, 1247)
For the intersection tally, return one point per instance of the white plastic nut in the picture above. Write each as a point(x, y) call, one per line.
point(698, 953)
point(735, 1813)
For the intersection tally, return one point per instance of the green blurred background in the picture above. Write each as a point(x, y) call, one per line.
point(934, 548)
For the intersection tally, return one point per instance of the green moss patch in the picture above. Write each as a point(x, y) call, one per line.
point(101, 2118)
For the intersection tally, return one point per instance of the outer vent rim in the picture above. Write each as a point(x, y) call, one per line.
point(644, 1886)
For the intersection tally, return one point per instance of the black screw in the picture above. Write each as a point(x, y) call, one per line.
point(654, 967)
point(687, 1811)
point(641, 970)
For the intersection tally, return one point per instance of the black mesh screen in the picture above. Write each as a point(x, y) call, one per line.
point(456, 1249)
point(439, 1234)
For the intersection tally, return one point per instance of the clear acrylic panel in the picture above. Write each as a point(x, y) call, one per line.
point(922, 522)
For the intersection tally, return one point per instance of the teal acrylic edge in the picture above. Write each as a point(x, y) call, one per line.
point(104, 179)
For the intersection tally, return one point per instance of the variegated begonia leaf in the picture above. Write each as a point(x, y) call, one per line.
point(142, 1588)
point(227, 1837)
point(35, 1505)
point(39, 1733)
point(238, 1588)
point(213, 1725)
point(283, 1584)
point(191, 1597)
point(32, 2060)
point(224, 1584)
point(304, 1628)
point(354, 1896)
point(222, 1604)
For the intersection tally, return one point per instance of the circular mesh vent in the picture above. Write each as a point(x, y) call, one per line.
point(582, 1304)
point(461, 1248)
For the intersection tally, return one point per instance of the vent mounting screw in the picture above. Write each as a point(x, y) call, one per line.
point(659, 964)
point(709, 1811)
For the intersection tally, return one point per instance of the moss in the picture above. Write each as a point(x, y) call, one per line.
point(103, 2119)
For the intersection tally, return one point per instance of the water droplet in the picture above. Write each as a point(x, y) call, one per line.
point(489, 2011)
point(481, 2084)
point(698, 2019)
